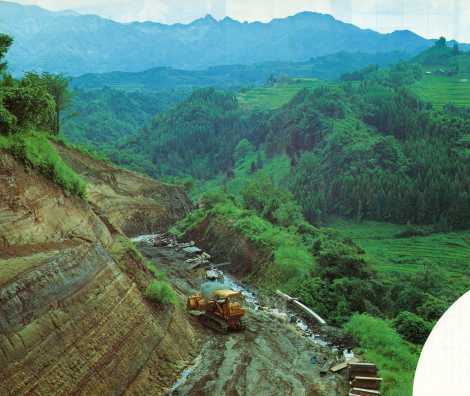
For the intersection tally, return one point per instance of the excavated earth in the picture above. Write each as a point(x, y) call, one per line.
point(270, 357)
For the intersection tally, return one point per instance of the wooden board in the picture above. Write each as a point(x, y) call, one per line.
point(366, 382)
point(343, 365)
point(364, 392)
point(362, 370)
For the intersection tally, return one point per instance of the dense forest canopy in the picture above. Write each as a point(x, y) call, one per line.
point(365, 148)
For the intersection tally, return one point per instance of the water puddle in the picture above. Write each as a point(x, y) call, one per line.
point(184, 376)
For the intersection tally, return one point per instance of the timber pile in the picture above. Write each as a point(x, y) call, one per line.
point(164, 240)
point(363, 379)
point(202, 259)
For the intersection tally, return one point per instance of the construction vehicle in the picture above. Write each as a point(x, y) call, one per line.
point(221, 310)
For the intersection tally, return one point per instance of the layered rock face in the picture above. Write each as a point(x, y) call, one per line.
point(72, 320)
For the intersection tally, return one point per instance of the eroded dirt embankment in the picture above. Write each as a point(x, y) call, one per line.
point(72, 316)
point(226, 245)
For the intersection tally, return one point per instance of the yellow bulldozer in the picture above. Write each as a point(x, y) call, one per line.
point(220, 310)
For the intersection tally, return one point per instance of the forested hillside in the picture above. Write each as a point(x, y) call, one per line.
point(100, 117)
point(107, 107)
point(365, 148)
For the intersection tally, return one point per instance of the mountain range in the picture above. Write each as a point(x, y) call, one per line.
point(328, 67)
point(75, 44)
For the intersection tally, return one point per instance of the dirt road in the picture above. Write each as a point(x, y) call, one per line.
point(270, 357)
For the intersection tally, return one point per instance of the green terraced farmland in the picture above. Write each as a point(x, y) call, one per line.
point(275, 96)
point(441, 90)
point(389, 253)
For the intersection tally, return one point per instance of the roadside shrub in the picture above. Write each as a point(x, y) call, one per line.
point(433, 308)
point(412, 327)
point(161, 292)
point(7, 120)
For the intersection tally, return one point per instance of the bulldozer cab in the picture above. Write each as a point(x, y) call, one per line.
point(231, 302)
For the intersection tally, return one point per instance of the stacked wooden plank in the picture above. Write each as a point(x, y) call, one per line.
point(363, 379)
point(164, 240)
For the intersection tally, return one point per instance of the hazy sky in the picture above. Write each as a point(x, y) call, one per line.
point(429, 18)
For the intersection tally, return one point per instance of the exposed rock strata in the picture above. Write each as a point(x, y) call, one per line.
point(73, 319)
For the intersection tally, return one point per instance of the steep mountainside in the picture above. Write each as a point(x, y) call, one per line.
point(89, 43)
point(103, 116)
point(73, 319)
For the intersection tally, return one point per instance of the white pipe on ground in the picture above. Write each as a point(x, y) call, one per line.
point(304, 308)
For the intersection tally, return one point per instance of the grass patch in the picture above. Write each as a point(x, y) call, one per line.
point(187, 223)
point(34, 149)
point(385, 245)
point(275, 96)
point(395, 358)
point(161, 292)
point(123, 246)
point(442, 90)
point(87, 150)
point(126, 255)
point(389, 253)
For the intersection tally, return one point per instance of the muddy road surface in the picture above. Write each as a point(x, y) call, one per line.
point(269, 357)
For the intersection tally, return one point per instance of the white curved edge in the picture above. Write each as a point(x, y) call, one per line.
point(444, 364)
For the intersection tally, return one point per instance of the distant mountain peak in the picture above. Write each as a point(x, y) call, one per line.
point(404, 33)
point(207, 20)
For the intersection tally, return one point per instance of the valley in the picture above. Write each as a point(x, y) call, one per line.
point(330, 165)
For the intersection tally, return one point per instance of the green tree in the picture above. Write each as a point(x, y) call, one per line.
point(412, 327)
point(30, 103)
point(441, 42)
point(58, 87)
point(5, 43)
point(243, 148)
point(432, 308)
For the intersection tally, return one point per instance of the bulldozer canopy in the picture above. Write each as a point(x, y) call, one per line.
point(217, 290)
point(225, 293)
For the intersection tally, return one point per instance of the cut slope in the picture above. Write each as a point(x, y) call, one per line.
point(73, 319)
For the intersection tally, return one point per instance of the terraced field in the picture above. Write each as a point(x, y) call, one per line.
point(390, 253)
point(441, 90)
point(275, 96)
